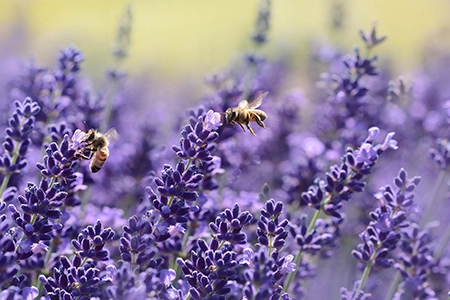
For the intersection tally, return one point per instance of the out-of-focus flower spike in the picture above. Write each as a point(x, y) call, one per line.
point(371, 39)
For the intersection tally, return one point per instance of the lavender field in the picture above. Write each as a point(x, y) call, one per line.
point(342, 192)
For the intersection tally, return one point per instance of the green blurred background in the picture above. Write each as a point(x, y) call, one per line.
point(184, 40)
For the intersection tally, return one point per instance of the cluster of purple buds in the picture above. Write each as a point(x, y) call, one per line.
point(355, 294)
point(179, 183)
point(415, 263)
point(441, 154)
point(44, 200)
point(68, 66)
point(17, 140)
point(126, 284)
point(197, 140)
point(389, 222)
point(38, 206)
point(349, 85)
point(176, 191)
point(311, 241)
point(263, 274)
point(58, 131)
point(59, 161)
point(8, 257)
point(72, 280)
point(91, 241)
point(347, 178)
point(379, 239)
point(136, 244)
point(401, 197)
point(271, 230)
point(229, 224)
point(209, 169)
point(208, 270)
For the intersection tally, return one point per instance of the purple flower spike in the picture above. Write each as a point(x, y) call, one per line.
point(59, 161)
point(208, 270)
point(196, 141)
point(91, 241)
point(18, 132)
point(229, 224)
point(71, 280)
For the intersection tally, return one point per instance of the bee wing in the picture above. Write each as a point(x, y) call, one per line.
point(243, 104)
point(257, 100)
point(112, 134)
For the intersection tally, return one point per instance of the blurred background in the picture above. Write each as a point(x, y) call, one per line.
point(175, 43)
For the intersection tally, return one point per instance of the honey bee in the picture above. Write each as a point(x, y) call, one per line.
point(97, 146)
point(246, 112)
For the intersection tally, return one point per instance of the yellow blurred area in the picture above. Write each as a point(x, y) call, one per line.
point(176, 39)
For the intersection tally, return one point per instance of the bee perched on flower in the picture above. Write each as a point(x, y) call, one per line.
point(96, 144)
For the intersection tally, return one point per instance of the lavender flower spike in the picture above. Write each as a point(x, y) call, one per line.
point(17, 140)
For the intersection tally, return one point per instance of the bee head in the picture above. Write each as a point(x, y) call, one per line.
point(231, 115)
point(90, 136)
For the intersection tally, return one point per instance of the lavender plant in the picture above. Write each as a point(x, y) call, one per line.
point(224, 214)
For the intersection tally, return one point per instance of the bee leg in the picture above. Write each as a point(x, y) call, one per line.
point(259, 121)
point(80, 153)
point(251, 130)
point(242, 126)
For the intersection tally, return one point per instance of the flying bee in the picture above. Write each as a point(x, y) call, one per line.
point(246, 112)
point(97, 146)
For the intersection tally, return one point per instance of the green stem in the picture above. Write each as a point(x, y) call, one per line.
point(4, 185)
point(221, 245)
point(442, 245)
point(133, 262)
point(435, 201)
point(393, 287)
point(270, 246)
point(169, 202)
point(298, 257)
point(367, 271)
point(83, 261)
point(52, 182)
point(312, 224)
point(46, 270)
point(176, 266)
point(188, 164)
